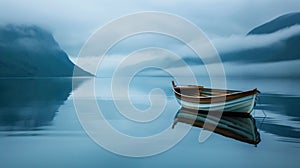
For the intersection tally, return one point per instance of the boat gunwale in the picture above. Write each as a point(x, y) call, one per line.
point(211, 99)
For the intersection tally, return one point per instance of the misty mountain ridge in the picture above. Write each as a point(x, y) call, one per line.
point(30, 51)
point(283, 50)
point(279, 23)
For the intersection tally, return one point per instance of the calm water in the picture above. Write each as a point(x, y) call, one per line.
point(39, 126)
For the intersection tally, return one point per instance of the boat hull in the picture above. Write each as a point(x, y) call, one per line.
point(241, 105)
point(220, 100)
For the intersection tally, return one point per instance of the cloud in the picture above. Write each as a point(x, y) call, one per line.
point(272, 69)
point(73, 21)
point(242, 42)
point(163, 59)
point(284, 69)
point(266, 70)
point(106, 66)
point(261, 48)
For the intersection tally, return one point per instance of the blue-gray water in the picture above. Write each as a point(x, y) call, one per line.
point(39, 126)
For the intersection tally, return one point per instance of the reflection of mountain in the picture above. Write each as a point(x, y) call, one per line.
point(29, 51)
point(31, 103)
point(287, 109)
point(236, 127)
point(282, 50)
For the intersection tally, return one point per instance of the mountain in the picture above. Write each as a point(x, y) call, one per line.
point(282, 50)
point(278, 23)
point(30, 51)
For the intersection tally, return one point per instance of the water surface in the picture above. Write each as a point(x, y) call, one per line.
point(39, 126)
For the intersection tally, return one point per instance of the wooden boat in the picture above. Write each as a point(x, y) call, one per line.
point(239, 128)
point(220, 100)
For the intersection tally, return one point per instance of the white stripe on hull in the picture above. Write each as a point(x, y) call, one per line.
point(244, 104)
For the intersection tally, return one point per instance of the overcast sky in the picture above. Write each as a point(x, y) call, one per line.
point(73, 21)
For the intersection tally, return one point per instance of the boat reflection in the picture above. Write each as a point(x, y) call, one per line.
point(241, 128)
